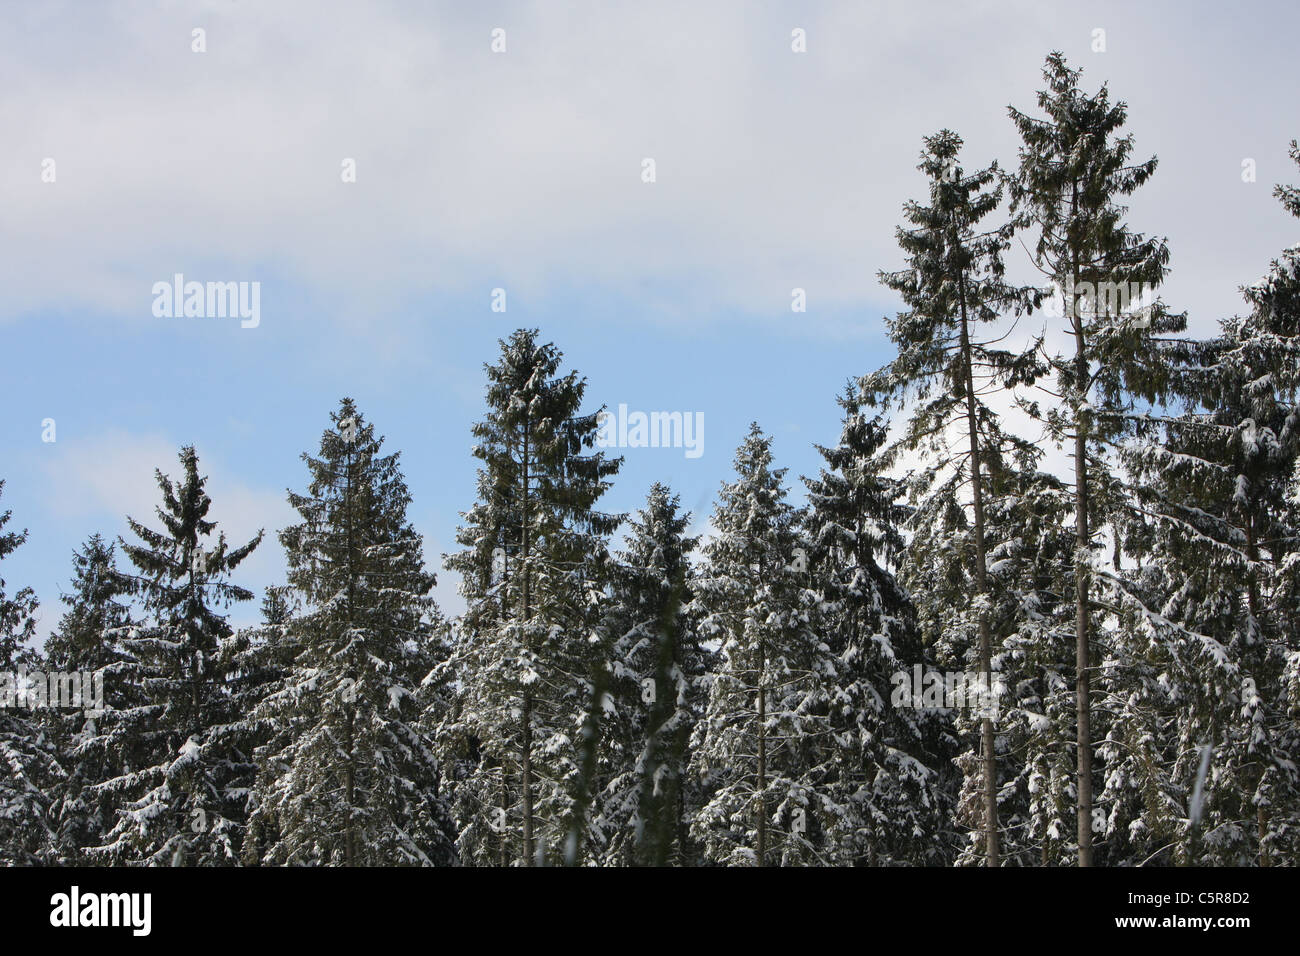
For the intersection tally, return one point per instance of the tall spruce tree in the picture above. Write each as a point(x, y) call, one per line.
point(348, 778)
point(1217, 527)
point(529, 648)
point(765, 751)
point(98, 611)
point(179, 792)
point(890, 766)
point(658, 666)
point(1074, 171)
point(88, 640)
point(947, 367)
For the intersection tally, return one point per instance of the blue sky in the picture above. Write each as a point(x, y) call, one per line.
point(521, 171)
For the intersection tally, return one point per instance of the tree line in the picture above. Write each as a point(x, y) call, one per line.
point(663, 699)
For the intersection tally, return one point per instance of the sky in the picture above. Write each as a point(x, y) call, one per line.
point(523, 169)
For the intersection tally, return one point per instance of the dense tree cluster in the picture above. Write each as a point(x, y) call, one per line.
point(942, 652)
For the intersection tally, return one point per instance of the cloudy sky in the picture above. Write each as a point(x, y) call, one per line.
point(522, 170)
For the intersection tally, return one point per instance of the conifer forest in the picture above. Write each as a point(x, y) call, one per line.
point(1025, 592)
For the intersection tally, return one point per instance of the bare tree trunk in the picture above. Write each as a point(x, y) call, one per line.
point(526, 761)
point(526, 748)
point(988, 742)
point(1082, 651)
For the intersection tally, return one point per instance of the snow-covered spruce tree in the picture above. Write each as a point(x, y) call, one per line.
point(29, 769)
point(1074, 171)
point(89, 639)
point(98, 610)
point(528, 649)
point(1031, 573)
point(1029, 608)
point(1278, 295)
point(477, 776)
point(1217, 530)
point(258, 660)
point(645, 800)
point(892, 762)
point(348, 778)
point(1175, 689)
point(765, 751)
point(180, 788)
point(440, 698)
point(947, 366)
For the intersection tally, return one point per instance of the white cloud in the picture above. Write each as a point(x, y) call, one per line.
point(113, 473)
point(475, 170)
